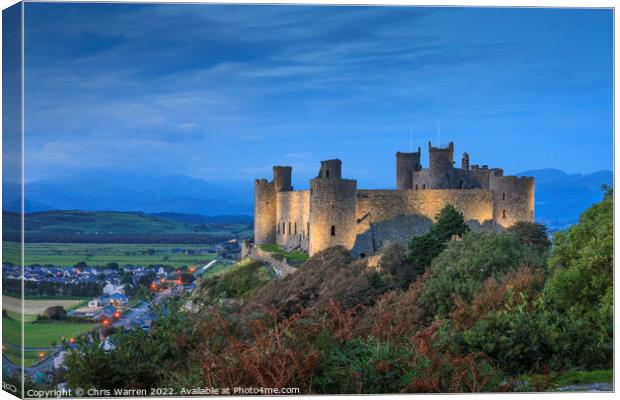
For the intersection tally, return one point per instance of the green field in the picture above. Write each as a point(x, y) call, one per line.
point(36, 335)
point(40, 334)
point(124, 227)
point(69, 254)
point(293, 257)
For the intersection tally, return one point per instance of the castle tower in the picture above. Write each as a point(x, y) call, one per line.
point(333, 206)
point(264, 212)
point(331, 169)
point(441, 167)
point(513, 199)
point(406, 163)
point(282, 178)
point(465, 162)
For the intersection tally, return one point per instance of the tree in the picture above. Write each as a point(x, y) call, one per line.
point(532, 234)
point(424, 248)
point(55, 312)
point(112, 265)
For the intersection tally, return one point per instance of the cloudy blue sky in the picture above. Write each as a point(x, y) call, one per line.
point(224, 92)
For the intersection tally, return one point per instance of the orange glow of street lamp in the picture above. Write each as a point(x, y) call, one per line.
point(71, 340)
point(117, 314)
point(106, 322)
point(41, 354)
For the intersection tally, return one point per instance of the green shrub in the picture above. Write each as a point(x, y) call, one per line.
point(461, 269)
point(580, 290)
point(519, 338)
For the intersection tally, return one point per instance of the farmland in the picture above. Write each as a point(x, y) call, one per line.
point(99, 254)
point(124, 227)
point(34, 307)
point(37, 336)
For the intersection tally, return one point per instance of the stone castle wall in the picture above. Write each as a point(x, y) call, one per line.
point(292, 219)
point(388, 216)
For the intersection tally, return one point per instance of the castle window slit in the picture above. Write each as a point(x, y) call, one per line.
point(295, 228)
point(503, 213)
point(283, 228)
point(461, 185)
point(504, 196)
point(333, 230)
point(289, 228)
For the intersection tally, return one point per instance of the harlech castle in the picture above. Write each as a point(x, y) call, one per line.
point(335, 212)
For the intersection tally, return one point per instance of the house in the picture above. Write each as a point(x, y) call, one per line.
point(96, 302)
point(118, 299)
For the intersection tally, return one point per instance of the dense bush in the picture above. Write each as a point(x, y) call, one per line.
point(460, 271)
point(580, 291)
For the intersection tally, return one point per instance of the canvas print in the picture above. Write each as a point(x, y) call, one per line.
point(298, 199)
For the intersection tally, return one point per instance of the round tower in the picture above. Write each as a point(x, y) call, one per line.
point(282, 178)
point(333, 206)
point(441, 167)
point(513, 199)
point(406, 163)
point(264, 212)
point(331, 169)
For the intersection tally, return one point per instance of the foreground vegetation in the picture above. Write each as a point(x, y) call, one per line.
point(457, 311)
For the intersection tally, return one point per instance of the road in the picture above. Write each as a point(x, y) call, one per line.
point(202, 269)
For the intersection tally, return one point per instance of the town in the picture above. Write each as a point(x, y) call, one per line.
point(84, 300)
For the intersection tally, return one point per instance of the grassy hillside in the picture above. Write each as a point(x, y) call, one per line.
point(121, 227)
point(234, 283)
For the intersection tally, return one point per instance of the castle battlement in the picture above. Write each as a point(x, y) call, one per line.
point(335, 212)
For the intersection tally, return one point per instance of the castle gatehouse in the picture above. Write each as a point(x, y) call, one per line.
point(335, 212)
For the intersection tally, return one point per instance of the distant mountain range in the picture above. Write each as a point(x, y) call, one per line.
point(560, 197)
point(107, 191)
